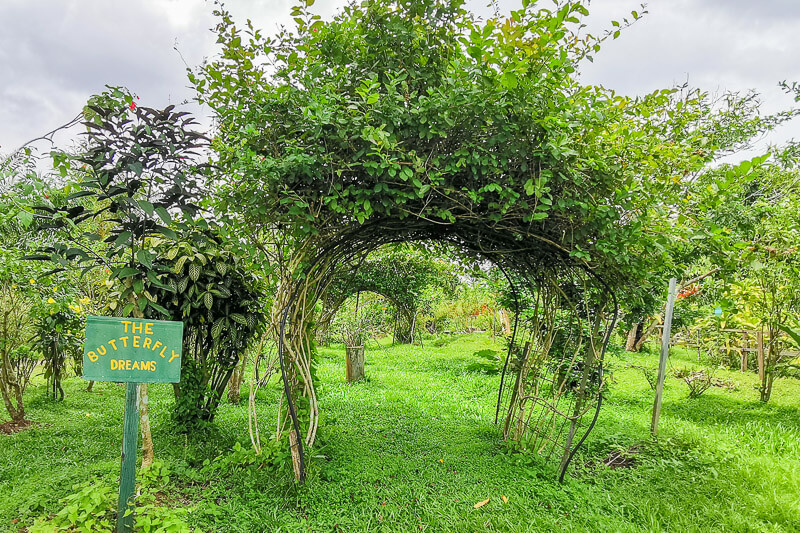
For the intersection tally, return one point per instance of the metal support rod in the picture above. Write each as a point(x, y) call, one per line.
point(127, 482)
point(662, 362)
point(510, 342)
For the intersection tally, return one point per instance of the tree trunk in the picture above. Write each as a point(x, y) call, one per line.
point(237, 378)
point(11, 390)
point(296, 366)
point(767, 363)
point(354, 363)
point(404, 326)
point(637, 339)
point(17, 412)
point(148, 453)
point(633, 336)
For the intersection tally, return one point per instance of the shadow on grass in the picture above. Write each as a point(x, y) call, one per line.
point(714, 409)
point(492, 364)
point(445, 340)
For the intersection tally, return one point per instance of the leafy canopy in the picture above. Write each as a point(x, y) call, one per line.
point(417, 113)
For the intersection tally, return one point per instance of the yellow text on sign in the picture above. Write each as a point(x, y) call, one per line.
point(143, 341)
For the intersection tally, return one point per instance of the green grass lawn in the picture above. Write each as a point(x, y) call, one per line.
point(414, 449)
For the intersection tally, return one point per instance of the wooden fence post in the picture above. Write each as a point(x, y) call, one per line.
point(662, 362)
point(127, 482)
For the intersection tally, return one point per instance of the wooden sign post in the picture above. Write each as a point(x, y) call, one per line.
point(132, 351)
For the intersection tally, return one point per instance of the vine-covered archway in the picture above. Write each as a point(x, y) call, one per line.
point(403, 120)
point(552, 380)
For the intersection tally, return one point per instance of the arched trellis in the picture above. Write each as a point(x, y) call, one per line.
point(558, 370)
point(332, 305)
point(397, 277)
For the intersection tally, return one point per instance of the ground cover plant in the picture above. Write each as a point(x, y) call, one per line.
point(413, 448)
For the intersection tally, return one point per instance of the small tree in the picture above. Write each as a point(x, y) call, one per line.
point(137, 174)
point(58, 326)
point(754, 207)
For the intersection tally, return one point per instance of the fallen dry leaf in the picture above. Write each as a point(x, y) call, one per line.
point(505, 500)
point(481, 504)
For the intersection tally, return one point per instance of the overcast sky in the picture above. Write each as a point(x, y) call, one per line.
point(55, 53)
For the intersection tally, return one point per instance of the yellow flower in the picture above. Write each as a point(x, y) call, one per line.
point(33, 281)
point(85, 300)
point(51, 301)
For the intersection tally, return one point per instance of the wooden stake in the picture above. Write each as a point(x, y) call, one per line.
point(662, 362)
point(127, 481)
point(746, 345)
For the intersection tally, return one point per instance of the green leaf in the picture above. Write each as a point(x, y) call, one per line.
point(216, 329)
point(125, 272)
point(160, 309)
point(25, 218)
point(168, 233)
point(123, 238)
point(194, 271)
point(147, 207)
point(529, 187)
point(79, 194)
point(158, 283)
point(182, 284)
point(164, 214)
point(145, 258)
point(179, 263)
point(794, 334)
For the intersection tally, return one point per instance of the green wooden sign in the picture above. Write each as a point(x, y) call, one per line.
point(132, 350)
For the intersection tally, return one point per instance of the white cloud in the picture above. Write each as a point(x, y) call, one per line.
point(55, 53)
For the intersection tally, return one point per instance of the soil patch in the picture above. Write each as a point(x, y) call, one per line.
point(11, 427)
point(619, 459)
point(622, 458)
